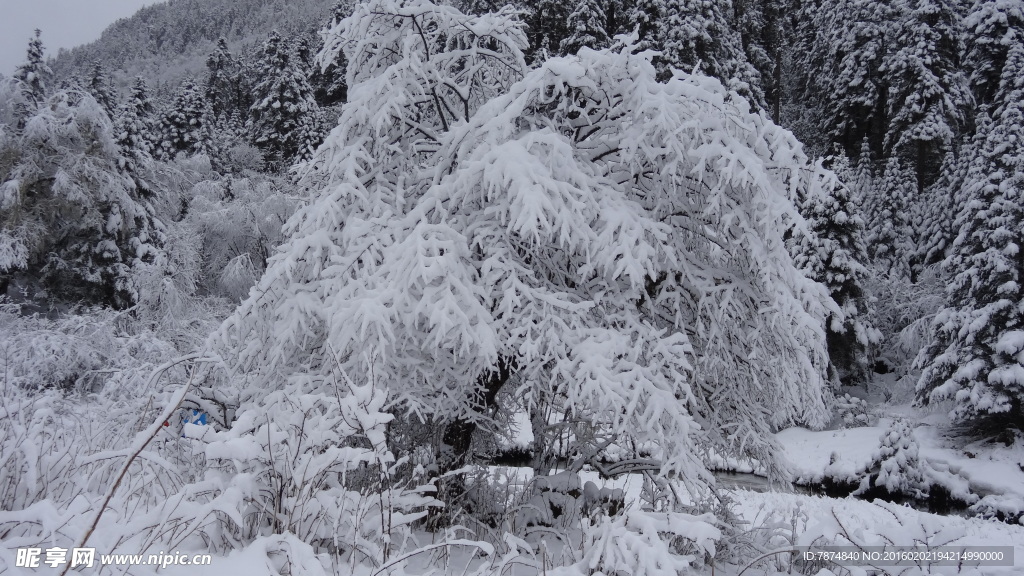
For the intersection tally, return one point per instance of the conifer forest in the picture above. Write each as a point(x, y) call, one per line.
point(516, 288)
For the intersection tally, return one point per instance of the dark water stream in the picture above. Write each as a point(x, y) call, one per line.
point(939, 501)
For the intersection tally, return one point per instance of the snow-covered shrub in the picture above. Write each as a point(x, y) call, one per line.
point(853, 412)
point(899, 463)
point(643, 543)
point(314, 465)
point(239, 222)
point(556, 502)
point(903, 311)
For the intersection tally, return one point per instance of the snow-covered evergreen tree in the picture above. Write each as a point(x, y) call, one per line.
point(842, 46)
point(831, 250)
point(586, 28)
point(134, 124)
point(929, 100)
point(899, 462)
point(76, 219)
point(975, 356)
point(32, 76)
point(222, 83)
point(547, 24)
point(762, 28)
point(584, 238)
point(182, 126)
point(697, 34)
point(102, 88)
point(284, 118)
point(328, 80)
point(647, 19)
point(992, 28)
point(939, 210)
point(134, 136)
point(890, 230)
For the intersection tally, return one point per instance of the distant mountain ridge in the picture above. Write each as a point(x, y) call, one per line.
point(166, 42)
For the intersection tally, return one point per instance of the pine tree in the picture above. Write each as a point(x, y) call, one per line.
point(942, 204)
point(647, 18)
point(221, 81)
point(31, 77)
point(328, 77)
point(546, 26)
point(831, 250)
point(761, 25)
point(696, 34)
point(81, 220)
point(284, 119)
point(586, 28)
point(929, 101)
point(102, 88)
point(992, 28)
point(842, 46)
point(182, 126)
point(890, 233)
point(975, 355)
point(899, 462)
point(133, 133)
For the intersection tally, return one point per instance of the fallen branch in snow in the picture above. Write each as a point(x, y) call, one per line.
point(144, 439)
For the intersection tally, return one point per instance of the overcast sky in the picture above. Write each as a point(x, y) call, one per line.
point(65, 24)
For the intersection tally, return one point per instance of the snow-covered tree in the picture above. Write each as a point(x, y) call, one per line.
point(76, 222)
point(32, 76)
point(547, 24)
point(182, 126)
point(890, 231)
point(134, 122)
point(222, 82)
point(842, 46)
point(284, 118)
point(831, 250)
point(586, 28)
point(697, 34)
point(647, 19)
point(583, 237)
point(328, 80)
point(929, 100)
point(992, 28)
point(762, 28)
point(938, 210)
point(101, 87)
point(899, 463)
point(974, 358)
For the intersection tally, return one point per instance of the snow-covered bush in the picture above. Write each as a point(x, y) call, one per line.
point(645, 544)
point(853, 412)
point(898, 461)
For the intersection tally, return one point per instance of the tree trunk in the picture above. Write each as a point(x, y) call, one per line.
point(458, 434)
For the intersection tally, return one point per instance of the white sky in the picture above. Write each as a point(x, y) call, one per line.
point(65, 24)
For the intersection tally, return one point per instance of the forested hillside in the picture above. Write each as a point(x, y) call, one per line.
point(488, 288)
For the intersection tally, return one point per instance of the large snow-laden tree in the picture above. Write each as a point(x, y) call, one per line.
point(841, 48)
point(284, 118)
point(929, 100)
point(75, 220)
point(831, 250)
point(991, 28)
point(975, 356)
point(585, 235)
point(699, 35)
